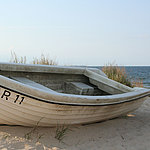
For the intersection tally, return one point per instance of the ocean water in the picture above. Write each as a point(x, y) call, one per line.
point(137, 73)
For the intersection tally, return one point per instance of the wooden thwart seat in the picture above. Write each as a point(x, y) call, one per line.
point(31, 83)
point(79, 88)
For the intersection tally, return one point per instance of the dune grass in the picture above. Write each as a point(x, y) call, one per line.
point(137, 83)
point(34, 132)
point(43, 60)
point(61, 131)
point(119, 74)
point(15, 59)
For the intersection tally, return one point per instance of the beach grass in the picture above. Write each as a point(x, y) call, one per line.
point(42, 60)
point(33, 132)
point(119, 74)
point(137, 83)
point(61, 131)
point(15, 59)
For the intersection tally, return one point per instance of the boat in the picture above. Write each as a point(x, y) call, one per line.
point(62, 95)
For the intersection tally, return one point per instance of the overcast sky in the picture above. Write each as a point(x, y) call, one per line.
point(77, 32)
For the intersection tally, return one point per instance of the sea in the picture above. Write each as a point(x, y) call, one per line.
point(139, 73)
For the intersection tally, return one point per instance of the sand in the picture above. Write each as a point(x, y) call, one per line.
point(130, 132)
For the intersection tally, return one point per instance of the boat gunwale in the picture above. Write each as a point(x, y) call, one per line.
point(124, 98)
point(45, 68)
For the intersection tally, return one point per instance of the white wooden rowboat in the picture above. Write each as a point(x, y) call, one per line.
point(53, 95)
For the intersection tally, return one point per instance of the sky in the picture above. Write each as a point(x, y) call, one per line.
point(76, 32)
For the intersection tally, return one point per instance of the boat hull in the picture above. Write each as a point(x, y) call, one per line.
point(38, 95)
point(20, 109)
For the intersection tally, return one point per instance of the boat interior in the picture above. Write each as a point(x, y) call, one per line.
point(61, 79)
point(63, 83)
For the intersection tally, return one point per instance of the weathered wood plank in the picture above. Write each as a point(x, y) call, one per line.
point(31, 83)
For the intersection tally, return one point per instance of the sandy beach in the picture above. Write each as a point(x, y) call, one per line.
point(130, 132)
